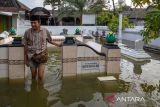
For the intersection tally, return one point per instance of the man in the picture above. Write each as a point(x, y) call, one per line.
point(35, 41)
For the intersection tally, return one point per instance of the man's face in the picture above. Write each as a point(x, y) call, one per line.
point(35, 25)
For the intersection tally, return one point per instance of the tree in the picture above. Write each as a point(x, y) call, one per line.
point(53, 3)
point(113, 24)
point(126, 8)
point(98, 6)
point(82, 6)
point(114, 7)
point(152, 20)
point(104, 18)
point(140, 2)
point(78, 6)
point(151, 26)
point(112, 21)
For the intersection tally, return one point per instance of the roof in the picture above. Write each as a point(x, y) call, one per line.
point(23, 6)
point(12, 6)
point(137, 13)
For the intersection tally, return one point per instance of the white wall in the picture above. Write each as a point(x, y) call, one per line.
point(89, 19)
point(71, 29)
point(156, 42)
point(22, 26)
point(128, 34)
point(56, 30)
point(14, 21)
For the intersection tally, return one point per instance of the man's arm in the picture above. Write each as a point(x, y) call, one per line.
point(56, 44)
point(49, 39)
point(25, 48)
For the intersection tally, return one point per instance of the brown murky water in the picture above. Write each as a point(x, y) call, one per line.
point(136, 80)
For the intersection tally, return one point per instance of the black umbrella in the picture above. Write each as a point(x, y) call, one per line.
point(40, 11)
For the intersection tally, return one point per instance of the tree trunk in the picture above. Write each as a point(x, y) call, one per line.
point(81, 14)
point(54, 19)
point(114, 8)
point(81, 19)
point(75, 21)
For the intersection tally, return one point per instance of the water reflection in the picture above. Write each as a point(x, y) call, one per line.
point(136, 65)
point(80, 92)
point(144, 78)
point(37, 97)
point(13, 94)
point(74, 90)
point(53, 76)
point(137, 79)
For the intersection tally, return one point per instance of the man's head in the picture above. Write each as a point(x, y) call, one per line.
point(35, 22)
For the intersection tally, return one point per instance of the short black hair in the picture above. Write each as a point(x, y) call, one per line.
point(35, 18)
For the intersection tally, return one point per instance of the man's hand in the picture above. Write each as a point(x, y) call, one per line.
point(61, 44)
point(56, 44)
point(26, 60)
point(27, 63)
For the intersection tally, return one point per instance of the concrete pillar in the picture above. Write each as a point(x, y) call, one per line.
point(3, 62)
point(69, 57)
point(112, 58)
point(16, 62)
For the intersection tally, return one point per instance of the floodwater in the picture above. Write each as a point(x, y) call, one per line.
point(136, 86)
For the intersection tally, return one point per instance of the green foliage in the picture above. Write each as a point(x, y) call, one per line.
point(152, 20)
point(123, 86)
point(113, 24)
point(152, 26)
point(76, 7)
point(141, 2)
point(103, 18)
point(78, 4)
point(98, 6)
point(112, 21)
point(147, 88)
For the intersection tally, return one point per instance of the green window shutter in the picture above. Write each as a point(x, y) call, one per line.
point(1, 27)
point(4, 23)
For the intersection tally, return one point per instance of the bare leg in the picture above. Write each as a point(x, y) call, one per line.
point(34, 73)
point(41, 69)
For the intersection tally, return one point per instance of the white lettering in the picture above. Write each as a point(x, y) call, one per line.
point(142, 99)
point(130, 99)
point(118, 99)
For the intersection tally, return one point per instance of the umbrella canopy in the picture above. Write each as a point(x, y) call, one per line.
point(40, 11)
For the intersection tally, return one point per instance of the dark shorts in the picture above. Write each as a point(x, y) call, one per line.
point(33, 64)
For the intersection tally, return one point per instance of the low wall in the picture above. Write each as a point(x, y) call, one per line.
point(56, 30)
point(89, 57)
point(128, 34)
point(12, 64)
